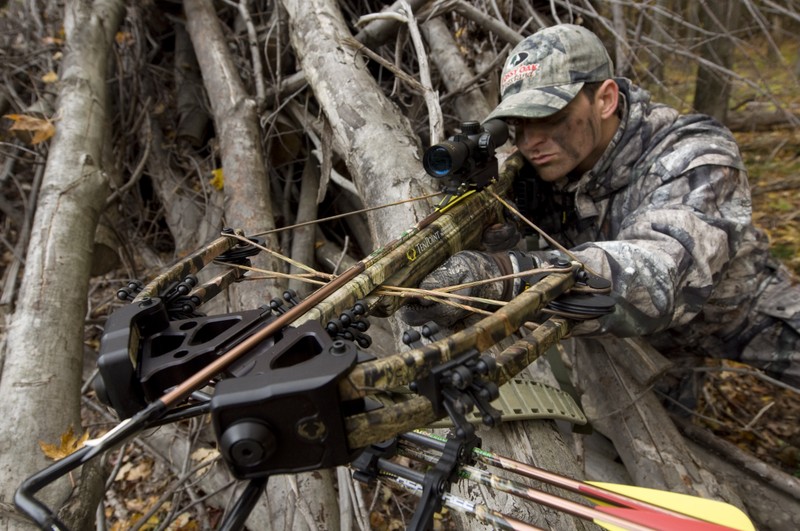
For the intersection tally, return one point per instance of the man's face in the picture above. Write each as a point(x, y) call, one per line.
point(568, 141)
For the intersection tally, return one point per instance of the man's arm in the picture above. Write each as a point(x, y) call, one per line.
point(672, 252)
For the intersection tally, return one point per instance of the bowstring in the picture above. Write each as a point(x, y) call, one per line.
point(311, 272)
point(443, 295)
point(339, 216)
point(541, 232)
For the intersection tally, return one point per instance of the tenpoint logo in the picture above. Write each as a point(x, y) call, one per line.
point(414, 252)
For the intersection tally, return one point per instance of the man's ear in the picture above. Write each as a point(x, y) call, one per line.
point(607, 98)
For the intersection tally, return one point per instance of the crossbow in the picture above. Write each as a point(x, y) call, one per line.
point(292, 386)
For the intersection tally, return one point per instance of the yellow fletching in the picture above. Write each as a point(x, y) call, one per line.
point(713, 511)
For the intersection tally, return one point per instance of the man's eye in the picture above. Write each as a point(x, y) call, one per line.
point(513, 122)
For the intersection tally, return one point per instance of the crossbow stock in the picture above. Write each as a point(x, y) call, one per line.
point(292, 387)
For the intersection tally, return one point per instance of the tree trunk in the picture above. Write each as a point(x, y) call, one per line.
point(190, 224)
point(470, 104)
point(41, 376)
point(623, 57)
point(628, 412)
point(303, 239)
point(247, 195)
point(381, 150)
point(713, 87)
point(660, 33)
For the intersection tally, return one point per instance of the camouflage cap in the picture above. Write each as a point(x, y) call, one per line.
point(547, 70)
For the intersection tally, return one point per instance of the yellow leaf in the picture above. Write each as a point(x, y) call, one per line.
point(217, 179)
point(50, 77)
point(69, 443)
point(204, 455)
point(183, 522)
point(31, 129)
point(124, 38)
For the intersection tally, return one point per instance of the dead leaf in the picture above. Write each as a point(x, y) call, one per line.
point(134, 472)
point(205, 455)
point(183, 522)
point(31, 129)
point(139, 505)
point(69, 443)
point(217, 179)
point(124, 38)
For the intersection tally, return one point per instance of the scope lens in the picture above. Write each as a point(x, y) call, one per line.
point(437, 161)
point(446, 158)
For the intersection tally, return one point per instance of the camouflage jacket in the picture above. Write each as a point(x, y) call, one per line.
point(665, 214)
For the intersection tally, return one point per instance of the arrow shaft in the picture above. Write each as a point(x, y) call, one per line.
point(530, 493)
point(572, 485)
point(566, 483)
point(436, 442)
point(480, 512)
point(550, 500)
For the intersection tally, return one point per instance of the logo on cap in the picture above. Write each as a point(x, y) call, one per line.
point(519, 73)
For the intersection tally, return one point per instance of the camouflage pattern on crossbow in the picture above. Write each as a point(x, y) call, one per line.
point(291, 395)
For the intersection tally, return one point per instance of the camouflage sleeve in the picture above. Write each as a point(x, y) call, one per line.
point(671, 250)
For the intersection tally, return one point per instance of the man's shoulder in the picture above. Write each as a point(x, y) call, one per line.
point(675, 140)
point(697, 140)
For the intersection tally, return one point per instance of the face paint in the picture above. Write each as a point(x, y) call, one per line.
point(566, 142)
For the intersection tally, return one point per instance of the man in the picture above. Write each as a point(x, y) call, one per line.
point(656, 202)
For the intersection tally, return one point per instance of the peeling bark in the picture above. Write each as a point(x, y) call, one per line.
point(41, 376)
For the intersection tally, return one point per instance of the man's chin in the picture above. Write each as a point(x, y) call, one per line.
point(549, 173)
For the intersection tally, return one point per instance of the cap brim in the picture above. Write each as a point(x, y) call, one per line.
point(536, 103)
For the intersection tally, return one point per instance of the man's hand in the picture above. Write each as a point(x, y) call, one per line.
point(500, 237)
point(461, 268)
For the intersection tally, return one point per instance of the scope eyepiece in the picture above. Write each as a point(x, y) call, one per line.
point(464, 152)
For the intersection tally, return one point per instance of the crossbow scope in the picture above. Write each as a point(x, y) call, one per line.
point(467, 153)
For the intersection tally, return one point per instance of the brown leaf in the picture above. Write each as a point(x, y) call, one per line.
point(31, 129)
point(69, 443)
point(134, 472)
point(124, 38)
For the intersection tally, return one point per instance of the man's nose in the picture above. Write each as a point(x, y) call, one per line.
point(531, 136)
